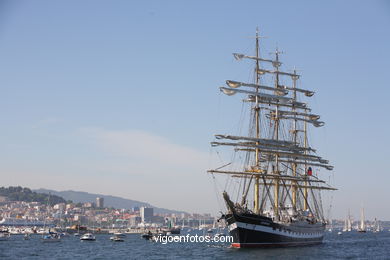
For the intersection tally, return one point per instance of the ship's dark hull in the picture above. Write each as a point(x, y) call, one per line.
point(249, 230)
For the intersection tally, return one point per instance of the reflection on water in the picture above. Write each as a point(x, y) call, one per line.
point(348, 245)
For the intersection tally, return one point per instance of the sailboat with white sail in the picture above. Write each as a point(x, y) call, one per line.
point(348, 223)
point(51, 236)
point(376, 227)
point(362, 225)
point(330, 225)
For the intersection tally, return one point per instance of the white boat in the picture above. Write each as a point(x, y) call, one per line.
point(42, 231)
point(88, 237)
point(116, 239)
point(15, 231)
point(339, 233)
point(4, 236)
point(119, 234)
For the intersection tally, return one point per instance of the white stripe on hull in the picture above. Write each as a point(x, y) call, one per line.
point(270, 230)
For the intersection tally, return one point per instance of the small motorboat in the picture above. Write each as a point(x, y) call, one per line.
point(87, 237)
point(26, 236)
point(116, 239)
point(118, 234)
point(51, 238)
point(339, 233)
point(4, 236)
point(147, 236)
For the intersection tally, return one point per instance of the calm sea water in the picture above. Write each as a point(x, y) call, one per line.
point(350, 245)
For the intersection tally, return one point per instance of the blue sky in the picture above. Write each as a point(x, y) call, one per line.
point(121, 97)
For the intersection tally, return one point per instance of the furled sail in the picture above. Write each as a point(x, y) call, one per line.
point(264, 147)
point(269, 97)
point(307, 93)
point(313, 122)
point(295, 113)
point(239, 56)
point(260, 140)
point(263, 71)
point(267, 176)
point(326, 166)
point(292, 104)
point(237, 84)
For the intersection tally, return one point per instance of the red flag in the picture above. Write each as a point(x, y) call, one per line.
point(309, 172)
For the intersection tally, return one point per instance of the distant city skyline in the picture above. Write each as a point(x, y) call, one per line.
point(121, 98)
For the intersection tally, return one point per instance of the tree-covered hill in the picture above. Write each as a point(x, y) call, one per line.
point(27, 195)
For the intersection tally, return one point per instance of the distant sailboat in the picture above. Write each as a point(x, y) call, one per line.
point(200, 225)
point(349, 226)
point(362, 226)
point(51, 236)
point(330, 226)
point(376, 227)
point(348, 223)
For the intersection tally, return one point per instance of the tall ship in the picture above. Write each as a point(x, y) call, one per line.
point(272, 192)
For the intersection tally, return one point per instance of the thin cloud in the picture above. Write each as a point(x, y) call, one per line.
point(47, 122)
point(137, 144)
point(154, 162)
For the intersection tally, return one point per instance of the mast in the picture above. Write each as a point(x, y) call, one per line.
point(257, 116)
point(295, 135)
point(305, 192)
point(276, 118)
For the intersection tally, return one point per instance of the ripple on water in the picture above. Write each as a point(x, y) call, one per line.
point(347, 246)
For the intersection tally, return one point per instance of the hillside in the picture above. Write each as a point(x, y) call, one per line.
point(109, 201)
point(27, 195)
